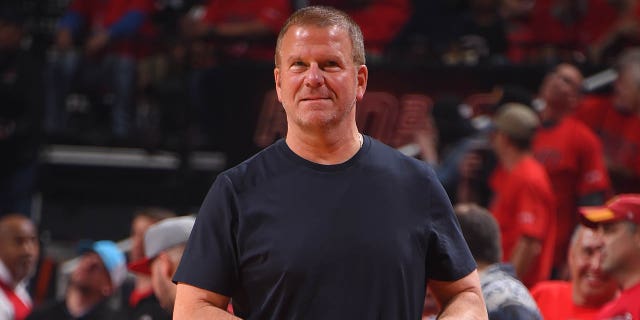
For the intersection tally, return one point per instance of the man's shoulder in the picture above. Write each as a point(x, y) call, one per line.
point(255, 162)
point(385, 155)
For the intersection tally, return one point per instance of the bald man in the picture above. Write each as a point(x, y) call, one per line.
point(571, 155)
point(19, 250)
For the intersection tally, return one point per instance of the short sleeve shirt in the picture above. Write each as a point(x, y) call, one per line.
point(626, 306)
point(555, 300)
point(572, 156)
point(286, 238)
point(524, 205)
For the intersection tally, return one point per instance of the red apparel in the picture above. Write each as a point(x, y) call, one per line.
point(620, 136)
point(272, 13)
point(572, 156)
point(575, 33)
point(555, 301)
point(379, 20)
point(100, 15)
point(627, 306)
point(20, 309)
point(524, 205)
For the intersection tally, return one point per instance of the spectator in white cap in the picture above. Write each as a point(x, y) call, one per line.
point(99, 273)
point(164, 243)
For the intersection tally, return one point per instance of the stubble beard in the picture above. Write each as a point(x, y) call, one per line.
point(322, 119)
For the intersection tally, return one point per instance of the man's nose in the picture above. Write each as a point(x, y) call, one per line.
point(314, 76)
point(34, 247)
point(30, 246)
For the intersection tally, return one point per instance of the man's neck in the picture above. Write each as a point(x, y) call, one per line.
point(142, 284)
point(629, 278)
point(6, 277)
point(552, 114)
point(326, 148)
point(510, 158)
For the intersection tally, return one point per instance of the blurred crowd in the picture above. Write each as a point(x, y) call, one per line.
point(519, 165)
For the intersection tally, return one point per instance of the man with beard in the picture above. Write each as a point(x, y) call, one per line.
point(326, 223)
point(99, 273)
point(18, 255)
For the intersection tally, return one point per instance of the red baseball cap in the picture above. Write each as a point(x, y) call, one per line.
point(621, 207)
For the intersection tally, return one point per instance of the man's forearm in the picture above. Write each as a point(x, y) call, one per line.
point(524, 254)
point(203, 312)
point(466, 305)
point(195, 303)
point(460, 299)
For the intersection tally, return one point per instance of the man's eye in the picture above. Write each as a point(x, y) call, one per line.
point(297, 66)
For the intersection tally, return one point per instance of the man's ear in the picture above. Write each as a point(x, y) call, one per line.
point(362, 77)
point(636, 236)
point(278, 81)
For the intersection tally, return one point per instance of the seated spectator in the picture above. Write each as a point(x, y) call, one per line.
point(616, 34)
point(19, 250)
point(236, 29)
point(114, 34)
point(570, 153)
point(222, 33)
point(617, 227)
point(617, 123)
point(589, 288)
point(580, 30)
point(505, 296)
point(479, 35)
point(524, 204)
point(97, 276)
point(380, 20)
point(164, 244)
point(516, 15)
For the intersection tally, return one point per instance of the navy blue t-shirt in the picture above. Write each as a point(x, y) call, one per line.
point(287, 238)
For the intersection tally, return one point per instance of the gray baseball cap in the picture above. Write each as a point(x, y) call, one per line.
point(161, 236)
point(516, 120)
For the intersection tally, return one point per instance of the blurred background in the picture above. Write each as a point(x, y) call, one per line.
point(109, 106)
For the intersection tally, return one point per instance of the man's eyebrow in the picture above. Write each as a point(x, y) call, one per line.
point(293, 58)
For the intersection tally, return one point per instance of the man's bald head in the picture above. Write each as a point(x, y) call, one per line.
point(19, 246)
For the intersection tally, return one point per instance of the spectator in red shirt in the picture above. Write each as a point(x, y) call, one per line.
point(523, 202)
point(380, 20)
point(617, 122)
point(237, 29)
point(570, 152)
point(561, 30)
point(617, 224)
point(589, 288)
point(221, 33)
